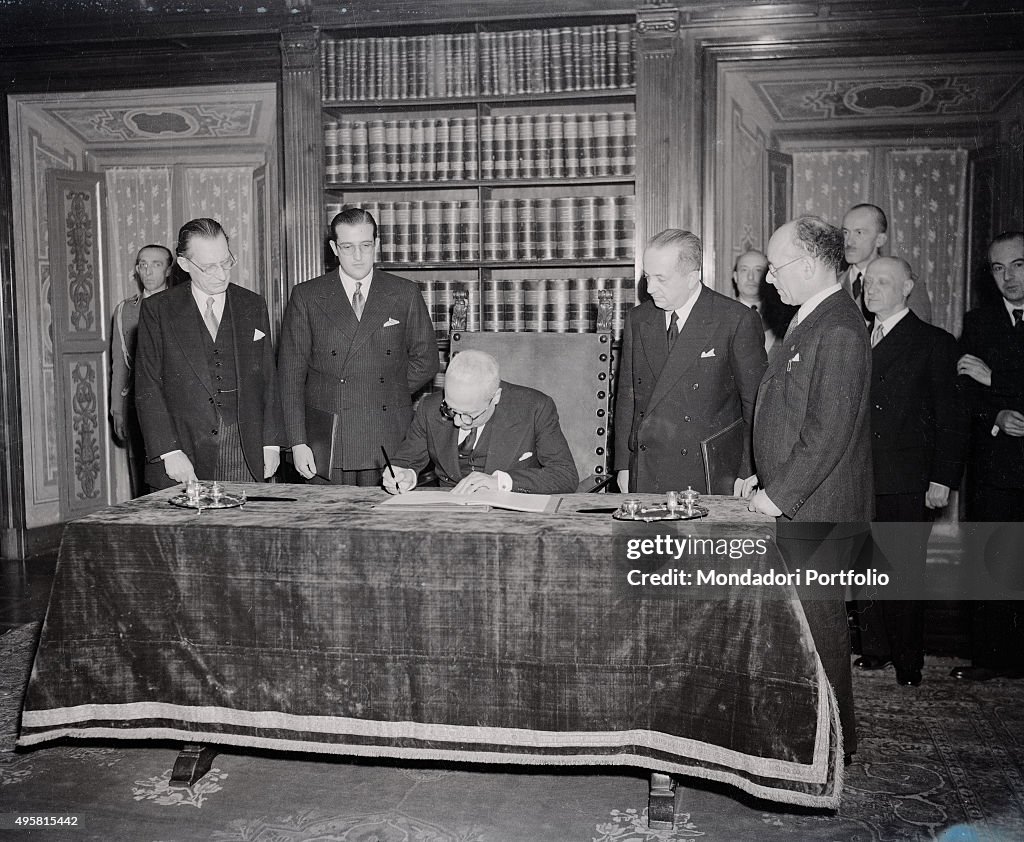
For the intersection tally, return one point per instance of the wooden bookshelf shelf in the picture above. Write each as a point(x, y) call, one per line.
point(493, 161)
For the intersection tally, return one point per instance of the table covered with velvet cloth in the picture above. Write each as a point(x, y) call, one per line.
point(328, 625)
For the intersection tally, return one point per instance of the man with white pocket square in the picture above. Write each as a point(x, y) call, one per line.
point(689, 369)
point(485, 434)
point(205, 383)
point(356, 345)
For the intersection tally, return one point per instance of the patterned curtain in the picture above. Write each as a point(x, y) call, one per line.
point(226, 194)
point(139, 212)
point(927, 224)
point(827, 183)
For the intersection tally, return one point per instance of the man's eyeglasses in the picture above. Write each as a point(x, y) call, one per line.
point(463, 417)
point(774, 270)
point(348, 249)
point(209, 269)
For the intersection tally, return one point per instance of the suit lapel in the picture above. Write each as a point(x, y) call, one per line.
point(653, 339)
point(446, 447)
point(186, 327)
point(241, 336)
point(692, 341)
point(336, 305)
point(375, 312)
point(894, 345)
point(504, 438)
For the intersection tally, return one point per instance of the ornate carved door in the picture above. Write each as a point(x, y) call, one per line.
point(81, 323)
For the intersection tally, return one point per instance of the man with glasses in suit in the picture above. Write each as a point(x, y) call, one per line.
point(356, 345)
point(205, 383)
point(484, 434)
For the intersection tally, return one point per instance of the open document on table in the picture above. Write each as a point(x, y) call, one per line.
point(445, 500)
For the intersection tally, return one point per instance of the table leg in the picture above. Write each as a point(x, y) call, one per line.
point(192, 762)
point(661, 802)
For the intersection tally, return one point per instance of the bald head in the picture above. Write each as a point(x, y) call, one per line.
point(471, 387)
point(804, 256)
point(887, 284)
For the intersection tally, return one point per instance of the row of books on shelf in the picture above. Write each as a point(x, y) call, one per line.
point(553, 305)
point(553, 60)
point(563, 228)
point(511, 146)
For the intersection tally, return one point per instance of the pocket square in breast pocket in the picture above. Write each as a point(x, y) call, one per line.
point(705, 354)
point(390, 322)
point(257, 335)
point(526, 456)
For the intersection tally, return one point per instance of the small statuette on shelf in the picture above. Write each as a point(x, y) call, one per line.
point(460, 312)
point(605, 310)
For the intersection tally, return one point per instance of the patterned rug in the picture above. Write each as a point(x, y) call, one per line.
point(942, 761)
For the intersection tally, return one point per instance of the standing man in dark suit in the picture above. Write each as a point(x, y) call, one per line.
point(484, 434)
point(992, 371)
point(691, 361)
point(205, 384)
point(918, 444)
point(865, 231)
point(812, 444)
point(356, 344)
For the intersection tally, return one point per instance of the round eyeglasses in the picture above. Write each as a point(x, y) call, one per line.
point(224, 266)
point(463, 417)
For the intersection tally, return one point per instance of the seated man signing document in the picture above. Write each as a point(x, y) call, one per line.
point(484, 434)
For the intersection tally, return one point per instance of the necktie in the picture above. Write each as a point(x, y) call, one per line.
point(858, 287)
point(1018, 319)
point(753, 307)
point(877, 334)
point(468, 444)
point(673, 330)
point(790, 328)
point(210, 318)
point(357, 300)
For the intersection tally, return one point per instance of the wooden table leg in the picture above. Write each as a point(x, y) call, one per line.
point(192, 762)
point(661, 802)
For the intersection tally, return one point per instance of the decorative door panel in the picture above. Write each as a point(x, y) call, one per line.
point(80, 339)
point(779, 180)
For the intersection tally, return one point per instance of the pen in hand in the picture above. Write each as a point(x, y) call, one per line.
point(387, 461)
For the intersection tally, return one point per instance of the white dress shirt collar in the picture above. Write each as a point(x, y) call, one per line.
point(808, 306)
point(218, 301)
point(684, 311)
point(349, 283)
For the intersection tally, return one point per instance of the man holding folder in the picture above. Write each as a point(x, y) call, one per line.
point(485, 434)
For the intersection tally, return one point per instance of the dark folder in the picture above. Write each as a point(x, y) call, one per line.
point(722, 455)
point(321, 427)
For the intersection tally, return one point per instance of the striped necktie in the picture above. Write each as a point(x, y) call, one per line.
point(210, 318)
point(357, 300)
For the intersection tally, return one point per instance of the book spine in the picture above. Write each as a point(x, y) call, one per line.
point(629, 150)
point(442, 165)
point(405, 150)
point(360, 150)
point(524, 128)
point(386, 231)
point(556, 305)
point(492, 229)
point(627, 215)
point(515, 306)
point(402, 231)
point(378, 167)
point(588, 227)
point(432, 230)
point(493, 304)
point(526, 229)
point(469, 230)
point(557, 143)
point(582, 315)
point(427, 161)
point(501, 147)
point(511, 148)
point(417, 232)
point(565, 227)
point(534, 301)
point(507, 230)
point(470, 149)
point(331, 165)
point(586, 134)
point(571, 128)
point(450, 231)
point(391, 165)
point(457, 148)
point(607, 211)
point(487, 152)
point(541, 145)
point(544, 217)
point(602, 158)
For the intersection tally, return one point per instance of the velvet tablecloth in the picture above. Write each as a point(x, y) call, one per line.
point(327, 625)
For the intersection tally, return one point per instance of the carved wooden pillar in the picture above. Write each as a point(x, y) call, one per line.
point(667, 178)
point(303, 156)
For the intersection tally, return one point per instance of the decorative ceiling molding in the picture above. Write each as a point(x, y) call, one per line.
point(152, 117)
point(880, 95)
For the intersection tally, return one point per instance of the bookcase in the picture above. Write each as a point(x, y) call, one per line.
point(498, 161)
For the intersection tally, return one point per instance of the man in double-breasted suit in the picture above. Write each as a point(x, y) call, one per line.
point(992, 373)
point(356, 344)
point(918, 444)
point(812, 445)
point(688, 373)
point(485, 434)
point(205, 384)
